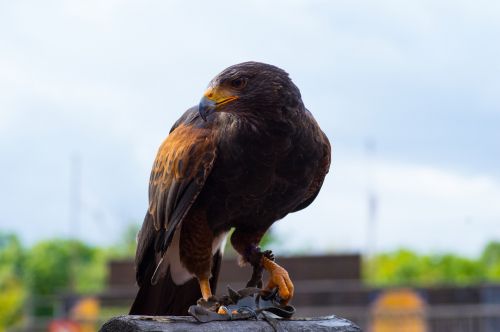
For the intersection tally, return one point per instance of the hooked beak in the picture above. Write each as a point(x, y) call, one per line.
point(212, 99)
point(206, 107)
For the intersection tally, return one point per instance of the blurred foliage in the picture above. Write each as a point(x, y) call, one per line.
point(490, 260)
point(404, 267)
point(58, 266)
point(12, 290)
point(51, 268)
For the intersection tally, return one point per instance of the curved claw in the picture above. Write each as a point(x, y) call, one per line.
point(278, 278)
point(211, 304)
point(269, 254)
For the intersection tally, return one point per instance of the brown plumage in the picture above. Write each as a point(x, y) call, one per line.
point(248, 155)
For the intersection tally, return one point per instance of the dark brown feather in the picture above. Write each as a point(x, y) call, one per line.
point(252, 162)
point(181, 167)
point(168, 298)
point(320, 173)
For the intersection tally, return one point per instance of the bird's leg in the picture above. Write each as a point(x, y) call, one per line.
point(255, 259)
point(244, 241)
point(256, 279)
point(278, 278)
point(206, 292)
point(195, 253)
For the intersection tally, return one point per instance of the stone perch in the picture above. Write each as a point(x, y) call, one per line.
point(187, 323)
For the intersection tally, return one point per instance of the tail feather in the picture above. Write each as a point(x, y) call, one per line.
point(168, 298)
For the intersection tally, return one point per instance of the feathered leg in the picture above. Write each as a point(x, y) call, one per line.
point(245, 242)
point(196, 245)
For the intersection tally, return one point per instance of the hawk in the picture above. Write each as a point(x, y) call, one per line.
point(245, 157)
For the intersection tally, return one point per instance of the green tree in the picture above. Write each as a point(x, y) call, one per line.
point(57, 266)
point(12, 290)
point(490, 258)
point(404, 267)
point(397, 268)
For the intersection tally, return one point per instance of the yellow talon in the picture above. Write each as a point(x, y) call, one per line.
point(222, 310)
point(278, 278)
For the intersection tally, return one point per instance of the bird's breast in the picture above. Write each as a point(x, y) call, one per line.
point(257, 173)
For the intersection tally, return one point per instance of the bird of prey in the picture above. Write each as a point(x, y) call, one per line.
point(245, 157)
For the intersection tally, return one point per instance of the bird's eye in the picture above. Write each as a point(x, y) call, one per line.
point(239, 83)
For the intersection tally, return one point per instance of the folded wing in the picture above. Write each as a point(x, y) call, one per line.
point(180, 170)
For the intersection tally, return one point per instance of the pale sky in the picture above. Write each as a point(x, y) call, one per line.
point(104, 81)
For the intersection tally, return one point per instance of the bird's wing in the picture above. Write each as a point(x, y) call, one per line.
point(321, 170)
point(180, 170)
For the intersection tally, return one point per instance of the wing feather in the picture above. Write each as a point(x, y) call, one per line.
point(321, 171)
point(182, 165)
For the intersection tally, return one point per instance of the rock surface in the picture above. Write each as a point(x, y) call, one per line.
point(187, 323)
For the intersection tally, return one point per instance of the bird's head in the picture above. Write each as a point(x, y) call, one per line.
point(249, 88)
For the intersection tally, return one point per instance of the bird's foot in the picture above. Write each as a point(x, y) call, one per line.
point(246, 303)
point(217, 304)
point(212, 303)
point(268, 254)
point(254, 255)
point(278, 278)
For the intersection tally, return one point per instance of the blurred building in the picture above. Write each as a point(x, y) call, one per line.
point(324, 285)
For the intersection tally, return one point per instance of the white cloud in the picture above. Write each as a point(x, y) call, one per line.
point(107, 79)
point(419, 206)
